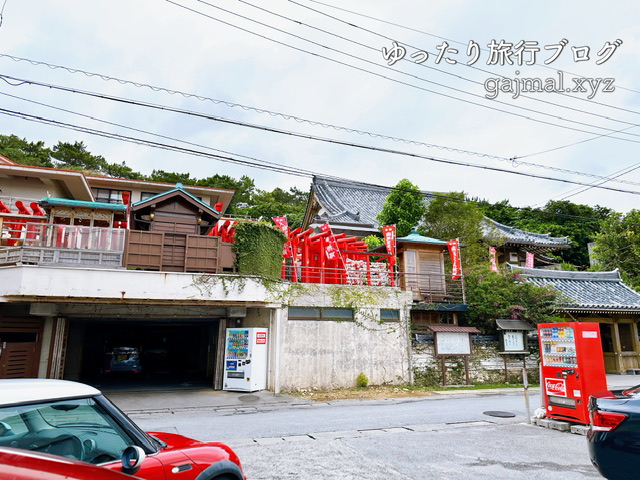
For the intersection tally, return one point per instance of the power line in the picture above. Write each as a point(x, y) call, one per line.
point(400, 72)
point(306, 136)
point(422, 32)
point(514, 161)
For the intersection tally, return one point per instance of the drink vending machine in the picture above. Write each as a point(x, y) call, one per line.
point(245, 359)
point(572, 368)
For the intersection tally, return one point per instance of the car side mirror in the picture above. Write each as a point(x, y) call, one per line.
point(132, 458)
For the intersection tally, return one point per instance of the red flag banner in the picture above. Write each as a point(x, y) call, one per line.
point(331, 248)
point(492, 259)
point(454, 253)
point(389, 233)
point(530, 258)
point(281, 222)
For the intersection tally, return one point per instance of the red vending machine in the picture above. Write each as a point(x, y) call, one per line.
point(572, 368)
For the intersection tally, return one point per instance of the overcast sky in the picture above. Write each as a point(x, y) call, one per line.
point(306, 86)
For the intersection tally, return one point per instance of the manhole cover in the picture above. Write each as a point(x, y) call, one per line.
point(493, 413)
point(248, 398)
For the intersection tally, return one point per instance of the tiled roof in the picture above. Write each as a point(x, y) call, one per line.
point(452, 328)
point(359, 204)
point(522, 237)
point(350, 202)
point(595, 291)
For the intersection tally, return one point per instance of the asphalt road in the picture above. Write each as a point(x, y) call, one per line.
point(443, 437)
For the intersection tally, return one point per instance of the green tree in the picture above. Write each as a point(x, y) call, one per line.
point(171, 177)
point(618, 246)
point(492, 295)
point(580, 223)
point(278, 202)
point(75, 156)
point(24, 152)
point(244, 188)
point(450, 216)
point(404, 207)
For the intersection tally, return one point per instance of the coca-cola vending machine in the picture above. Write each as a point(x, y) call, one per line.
point(572, 368)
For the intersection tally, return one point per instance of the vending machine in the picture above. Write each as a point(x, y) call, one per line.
point(245, 359)
point(572, 368)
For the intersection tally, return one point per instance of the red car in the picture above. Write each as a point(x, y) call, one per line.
point(18, 464)
point(76, 421)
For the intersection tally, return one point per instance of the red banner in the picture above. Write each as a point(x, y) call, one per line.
point(282, 223)
point(530, 258)
point(331, 249)
point(389, 233)
point(454, 253)
point(492, 259)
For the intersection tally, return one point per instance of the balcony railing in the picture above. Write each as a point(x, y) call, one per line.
point(33, 243)
point(429, 288)
point(33, 234)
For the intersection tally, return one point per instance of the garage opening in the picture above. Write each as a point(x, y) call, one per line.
point(142, 354)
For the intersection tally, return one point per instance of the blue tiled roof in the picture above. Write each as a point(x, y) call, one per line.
point(65, 202)
point(603, 291)
point(415, 237)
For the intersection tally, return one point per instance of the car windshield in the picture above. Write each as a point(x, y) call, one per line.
point(78, 428)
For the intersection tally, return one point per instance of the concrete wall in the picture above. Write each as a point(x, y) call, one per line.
point(329, 354)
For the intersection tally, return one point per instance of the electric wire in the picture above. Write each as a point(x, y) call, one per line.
point(453, 97)
point(515, 161)
point(18, 81)
point(415, 30)
point(332, 141)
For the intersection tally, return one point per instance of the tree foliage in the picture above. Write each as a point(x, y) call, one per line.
point(503, 294)
point(618, 246)
point(404, 207)
point(450, 216)
point(580, 223)
point(247, 200)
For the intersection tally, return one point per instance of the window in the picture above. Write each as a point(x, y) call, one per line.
point(108, 195)
point(389, 315)
point(77, 428)
point(607, 337)
point(145, 195)
point(315, 313)
point(626, 337)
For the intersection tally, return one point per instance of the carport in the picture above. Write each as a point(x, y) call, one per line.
point(175, 344)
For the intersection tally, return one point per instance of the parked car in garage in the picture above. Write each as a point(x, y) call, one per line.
point(16, 464)
point(614, 433)
point(122, 360)
point(76, 421)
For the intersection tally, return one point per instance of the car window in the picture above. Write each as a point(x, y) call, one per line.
point(78, 428)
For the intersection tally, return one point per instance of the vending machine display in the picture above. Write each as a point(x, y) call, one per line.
point(245, 359)
point(572, 368)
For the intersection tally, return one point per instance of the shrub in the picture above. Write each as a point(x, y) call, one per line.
point(362, 381)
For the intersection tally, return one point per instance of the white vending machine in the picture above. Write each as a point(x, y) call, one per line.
point(245, 359)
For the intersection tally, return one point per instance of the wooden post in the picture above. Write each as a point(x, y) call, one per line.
point(444, 372)
point(506, 373)
point(466, 369)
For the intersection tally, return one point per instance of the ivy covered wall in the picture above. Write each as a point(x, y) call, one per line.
point(258, 249)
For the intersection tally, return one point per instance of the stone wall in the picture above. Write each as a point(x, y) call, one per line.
point(486, 364)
